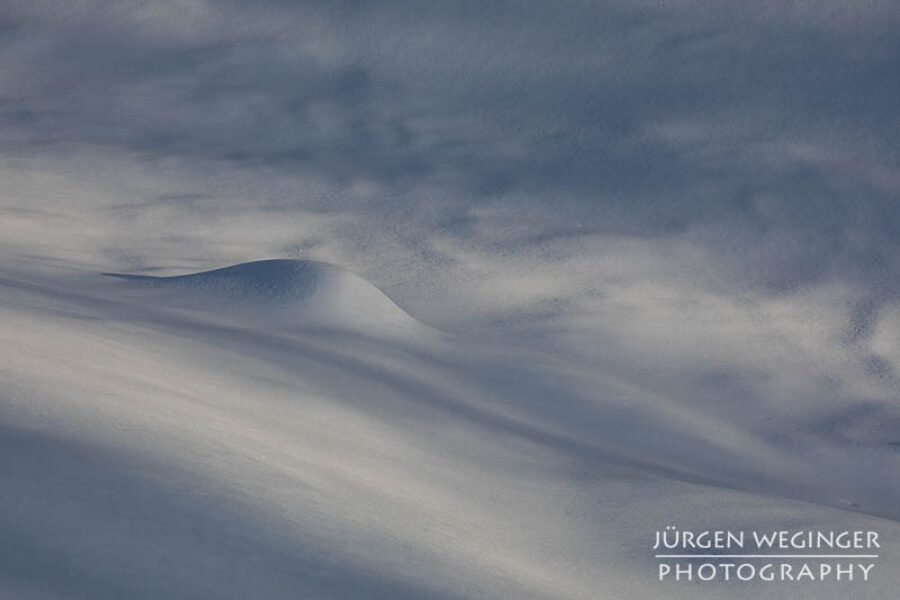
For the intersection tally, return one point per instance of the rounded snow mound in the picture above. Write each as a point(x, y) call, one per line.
point(283, 291)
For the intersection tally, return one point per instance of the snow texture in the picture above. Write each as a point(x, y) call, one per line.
point(409, 299)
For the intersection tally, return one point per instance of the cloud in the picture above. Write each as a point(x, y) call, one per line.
point(494, 166)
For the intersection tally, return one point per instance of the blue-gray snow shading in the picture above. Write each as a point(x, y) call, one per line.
point(678, 219)
point(150, 450)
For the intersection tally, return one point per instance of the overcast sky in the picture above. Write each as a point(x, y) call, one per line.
point(708, 191)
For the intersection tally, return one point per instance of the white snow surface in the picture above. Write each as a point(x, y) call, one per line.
point(281, 429)
point(283, 292)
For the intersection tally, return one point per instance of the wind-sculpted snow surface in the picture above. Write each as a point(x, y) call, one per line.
point(159, 438)
point(281, 291)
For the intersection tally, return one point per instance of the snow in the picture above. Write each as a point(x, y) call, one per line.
point(262, 430)
point(281, 291)
point(353, 300)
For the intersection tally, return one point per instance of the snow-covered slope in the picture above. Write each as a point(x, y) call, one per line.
point(645, 257)
point(159, 438)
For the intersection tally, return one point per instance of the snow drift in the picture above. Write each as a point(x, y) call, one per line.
point(281, 291)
